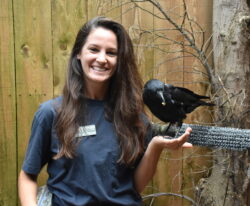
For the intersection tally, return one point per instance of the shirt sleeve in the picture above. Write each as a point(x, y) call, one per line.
point(38, 151)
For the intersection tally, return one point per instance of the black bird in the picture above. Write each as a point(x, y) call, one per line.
point(170, 103)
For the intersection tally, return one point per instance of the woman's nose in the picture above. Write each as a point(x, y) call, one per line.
point(101, 57)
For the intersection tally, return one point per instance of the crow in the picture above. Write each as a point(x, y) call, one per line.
point(169, 103)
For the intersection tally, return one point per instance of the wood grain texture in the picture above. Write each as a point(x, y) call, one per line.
point(168, 67)
point(139, 24)
point(67, 18)
point(33, 57)
point(198, 21)
point(8, 179)
point(34, 51)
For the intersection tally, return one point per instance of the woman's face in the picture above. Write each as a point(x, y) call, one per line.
point(98, 56)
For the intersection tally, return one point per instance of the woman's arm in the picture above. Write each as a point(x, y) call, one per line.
point(146, 168)
point(27, 189)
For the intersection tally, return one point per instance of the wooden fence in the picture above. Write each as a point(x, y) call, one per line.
point(35, 41)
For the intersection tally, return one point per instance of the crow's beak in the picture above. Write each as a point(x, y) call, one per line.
point(160, 94)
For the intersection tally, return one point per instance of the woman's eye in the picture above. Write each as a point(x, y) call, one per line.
point(112, 53)
point(93, 49)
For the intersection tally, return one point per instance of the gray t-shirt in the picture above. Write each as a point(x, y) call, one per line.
point(93, 176)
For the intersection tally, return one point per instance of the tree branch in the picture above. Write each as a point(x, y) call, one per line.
point(201, 55)
point(155, 195)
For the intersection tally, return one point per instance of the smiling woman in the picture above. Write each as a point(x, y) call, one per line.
point(95, 137)
point(98, 59)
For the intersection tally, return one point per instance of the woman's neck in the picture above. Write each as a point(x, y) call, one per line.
point(97, 92)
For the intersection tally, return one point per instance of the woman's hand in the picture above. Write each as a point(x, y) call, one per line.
point(146, 168)
point(162, 142)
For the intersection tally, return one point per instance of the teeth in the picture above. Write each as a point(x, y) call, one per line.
point(99, 69)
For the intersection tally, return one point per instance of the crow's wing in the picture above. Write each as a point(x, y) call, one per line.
point(187, 91)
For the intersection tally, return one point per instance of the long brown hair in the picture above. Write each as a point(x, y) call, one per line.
point(124, 104)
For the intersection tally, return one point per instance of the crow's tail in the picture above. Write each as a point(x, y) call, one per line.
point(202, 97)
point(207, 104)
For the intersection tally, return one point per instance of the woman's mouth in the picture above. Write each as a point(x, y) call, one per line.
point(99, 69)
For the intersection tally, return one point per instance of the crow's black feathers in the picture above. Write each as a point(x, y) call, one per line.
point(170, 103)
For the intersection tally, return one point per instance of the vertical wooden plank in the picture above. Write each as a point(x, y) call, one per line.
point(8, 178)
point(168, 68)
point(196, 165)
point(33, 49)
point(113, 9)
point(94, 8)
point(67, 18)
point(129, 18)
point(168, 55)
point(140, 25)
point(200, 13)
point(107, 8)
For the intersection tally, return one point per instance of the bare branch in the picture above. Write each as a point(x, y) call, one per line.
point(186, 15)
point(202, 57)
point(155, 195)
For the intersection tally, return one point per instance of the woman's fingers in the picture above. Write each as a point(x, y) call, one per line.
point(180, 141)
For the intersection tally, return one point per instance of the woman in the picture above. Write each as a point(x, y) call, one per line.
point(95, 139)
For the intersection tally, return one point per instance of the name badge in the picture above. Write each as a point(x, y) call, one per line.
point(87, 130)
